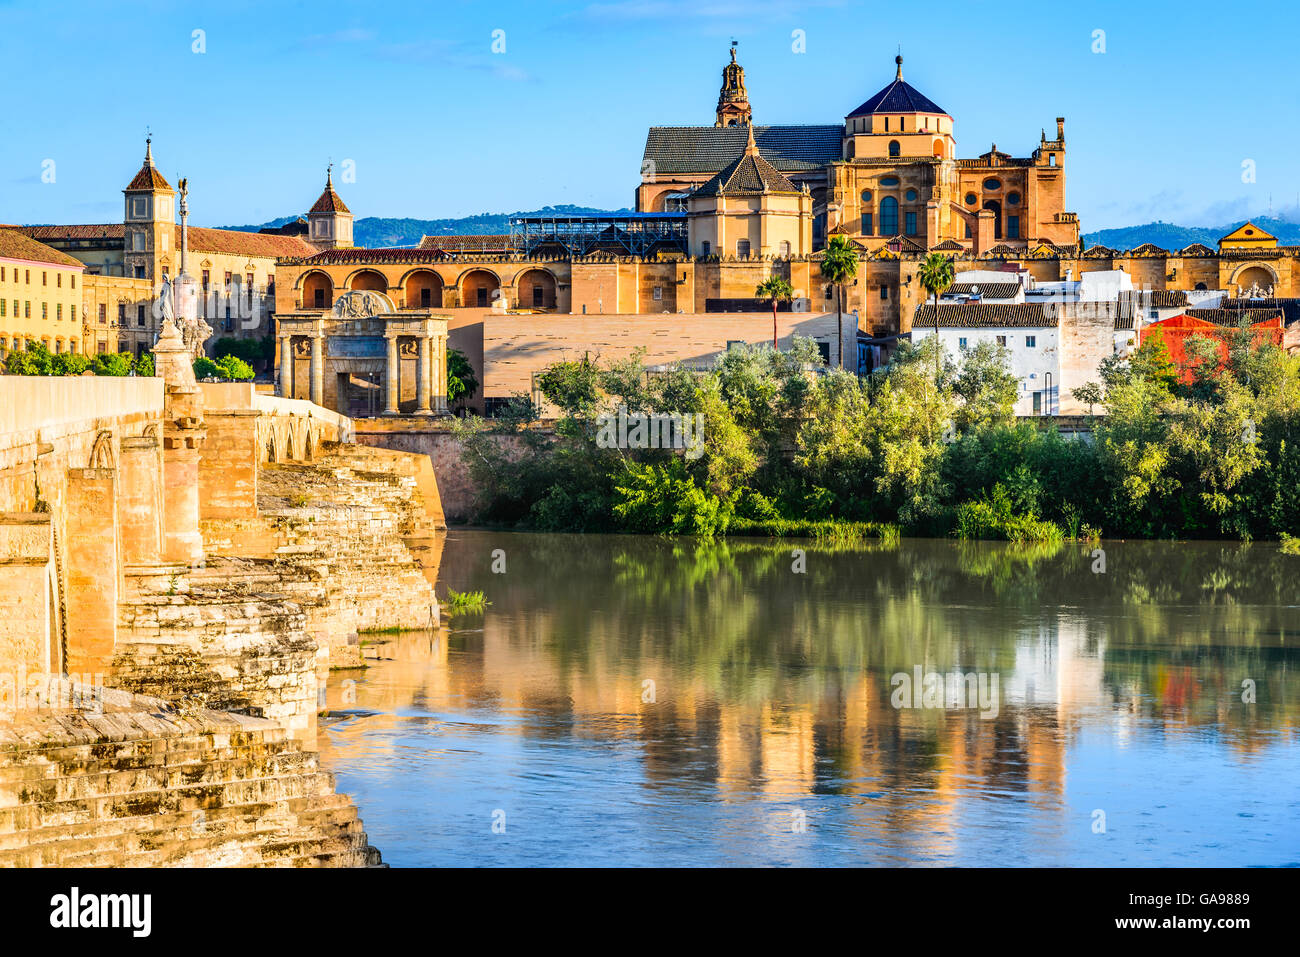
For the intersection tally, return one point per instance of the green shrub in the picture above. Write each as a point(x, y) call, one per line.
point(234, 369)
point(465, 602)
point(205, 368)
point(993, 516)
point(664, 499)
point(69, 363)
point(112, 364)
point(144, 364)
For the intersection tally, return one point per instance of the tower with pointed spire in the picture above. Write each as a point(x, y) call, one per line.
point(733, 101)
point(150, 221)
point(330, 220)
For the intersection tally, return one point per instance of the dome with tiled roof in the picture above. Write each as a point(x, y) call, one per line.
point(330, 201)
point(899, 97)
point(149, 178)
point(748, 173)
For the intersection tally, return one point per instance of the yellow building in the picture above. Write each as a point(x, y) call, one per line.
point(235, 269)
point(750, 209)
point(40, 295)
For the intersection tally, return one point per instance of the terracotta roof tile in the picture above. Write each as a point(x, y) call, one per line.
point(16, 244)
point(89, 231)
point(989, 290)
point(149, 178)
point(233, 242)
point(1232, 317)
point(330, 202)
point(985, 315)
point(747, 173)
point(356, 254)
point(488, 242)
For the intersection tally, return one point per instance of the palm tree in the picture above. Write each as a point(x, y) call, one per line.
point(936, 275)
point(776, 289)
point(839, 264)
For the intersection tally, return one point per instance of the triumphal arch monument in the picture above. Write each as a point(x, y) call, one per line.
point(363, 357)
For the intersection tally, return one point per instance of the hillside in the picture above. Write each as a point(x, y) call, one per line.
point(375, 231)
point(1169, 236)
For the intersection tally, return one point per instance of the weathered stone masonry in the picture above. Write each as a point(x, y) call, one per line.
point(211, 553)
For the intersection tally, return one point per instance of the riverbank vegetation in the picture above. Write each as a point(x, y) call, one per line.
point(927, 445)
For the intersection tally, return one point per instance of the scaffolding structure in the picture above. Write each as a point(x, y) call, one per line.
point(629, 234)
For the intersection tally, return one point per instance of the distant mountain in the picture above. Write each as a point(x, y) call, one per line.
point(1171, 237)
point(375, 232)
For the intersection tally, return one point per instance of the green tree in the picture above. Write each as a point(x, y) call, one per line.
point(34, 359)
point(144, 364)
point(234, 369)
point(936, 275)
point(1089, 392)
point(113, 364)
point(839, 264)
point(776, 289)
point(461, 381)
point(985, 385)
point(572, 386)
point(205, 368)
point(69, 363)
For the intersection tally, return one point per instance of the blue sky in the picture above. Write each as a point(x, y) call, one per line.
point(436, 124)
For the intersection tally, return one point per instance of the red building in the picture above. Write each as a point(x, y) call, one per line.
point(1178, 329)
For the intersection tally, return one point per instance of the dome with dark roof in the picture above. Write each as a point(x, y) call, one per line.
point(899, 97)
point(748, 173)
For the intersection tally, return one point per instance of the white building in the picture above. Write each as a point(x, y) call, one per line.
point(1057, 333)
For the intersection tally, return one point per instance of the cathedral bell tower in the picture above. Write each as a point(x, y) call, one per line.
point(733, 101)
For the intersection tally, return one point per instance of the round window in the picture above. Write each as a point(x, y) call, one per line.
point(971, 199)
point(866, 195)
point(889, 181)
point(992, 183)
point(910, 196)
point(1013, 199)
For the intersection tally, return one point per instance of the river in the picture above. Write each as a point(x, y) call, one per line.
point(652, 702)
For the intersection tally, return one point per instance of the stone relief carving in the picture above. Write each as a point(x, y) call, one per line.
point(362, 304)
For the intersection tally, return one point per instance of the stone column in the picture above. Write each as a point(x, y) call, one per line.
point(391, 394)
point(93, 569)
point(440, 375)
point(286, 367)
point(422, 381)
point(140, 500)
point(318, 369)
point(182, 541)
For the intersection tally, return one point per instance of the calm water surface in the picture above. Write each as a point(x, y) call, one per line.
point(632, 701)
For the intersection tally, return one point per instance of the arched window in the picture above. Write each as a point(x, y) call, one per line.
point(1201, 285)
point(894, 148)
point(996, 208)
point(889, 216)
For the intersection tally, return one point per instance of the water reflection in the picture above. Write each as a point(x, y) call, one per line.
point(634, 701)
